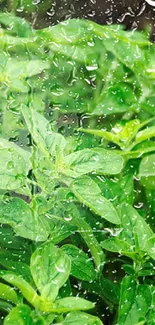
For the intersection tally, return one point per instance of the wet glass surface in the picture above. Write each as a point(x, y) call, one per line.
point(77, 162)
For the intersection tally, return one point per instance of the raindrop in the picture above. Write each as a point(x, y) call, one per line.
point(20, 9)
point(35, 2)
point(10, 165)
point(139, 205)
point(151, 2)
point(59, 269)
point(68, 218)
point(143, 7)
point(92, 67)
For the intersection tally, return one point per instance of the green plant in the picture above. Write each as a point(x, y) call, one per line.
point(77, 176)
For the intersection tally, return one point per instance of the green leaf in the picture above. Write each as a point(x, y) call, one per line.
point(14, 166)
point(128, 132)
point(69, 28)
point(117, 98)
point(93, 160)
point(103, 288)
point(60, 229)
point(151, 317)
point(88, 192)
point(119, 135)
point(132, 222)
point(18, 267)
point(41, 203)
point(109, 136)
point(145, 134)
point(72, 304)
point(25, 221)
point(8, 293)
point(16, 25)
point(72, 215)
point(28, 292)
point(45, 171)
point(13, 256)
point(109, 290)
point(151, 314)
point(65, 290)
point(147, 171)
point(132, 236)
point(81, 266)
point(131, 37)
point(121, 47)
point(18, 70)
point(40, 129)
point(48, 318)
point(79, 318)
point(50, 268)
point(150, 247)
point(20, 315)
point(135, 301)
point(116, 245)
point(118, 190)
point(9, 240)
point(71, 188)
point(5, 306)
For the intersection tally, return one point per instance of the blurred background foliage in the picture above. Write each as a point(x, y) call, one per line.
point(132, 13)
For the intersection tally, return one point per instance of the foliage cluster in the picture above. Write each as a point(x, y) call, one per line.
point(77, 174)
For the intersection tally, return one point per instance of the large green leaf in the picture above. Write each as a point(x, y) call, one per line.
point(25, 221)
point(116, 245)
point(72, 216)
point(7, 293)
point(145, 134)
point(45, 171)
point(60, 228)
point(150, 246)
point(135, 227)
point(50, 268)
point(16, 25)
point(8, 239)
point(135, 301)
point(128, 132)
point(118, 190)
point(151, 314)
point(26, 289)
point(78, 318)
point(40, 129)
point(16, 71)
point(133, 235)
point(117, 98)
point(89, 193)
point(109, 136)
point(126, 51)
point(20, 268)
point(76, 31)
point(147, 171)
point(93, 160)
point(81, 266)
point(72, 304)
point(119, 135)
point(103, 288)
point(20, 315)
point(14, 166)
